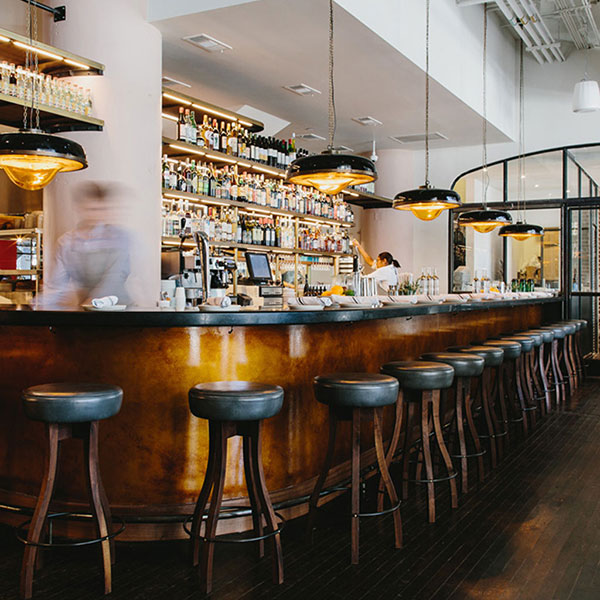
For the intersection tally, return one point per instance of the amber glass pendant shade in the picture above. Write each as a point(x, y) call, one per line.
point(426, 203)
point(521, 231)
point(330, 172)
point(485, 220)
point(32, 158)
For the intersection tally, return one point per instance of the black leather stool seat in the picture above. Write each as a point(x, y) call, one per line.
point(582, 322)
point(559, 332)
point(512, 350)
point(493, 356)
point(570, 328)
point(537, 338)
point(235, 400)
point(464, 365)
point(578, 324)
point(547, 334)
point(526, 342)
point(356, 390)
point(72, 402)
point(420, 375)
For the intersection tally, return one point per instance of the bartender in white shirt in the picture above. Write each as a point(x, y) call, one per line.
point(386, 267)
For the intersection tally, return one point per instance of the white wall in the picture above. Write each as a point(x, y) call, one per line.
point(127, 152)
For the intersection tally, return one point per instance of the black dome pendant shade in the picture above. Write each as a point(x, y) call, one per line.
point(426, 202)
point(484, 220)
point(330, 172)
point(32, 158)
point(521, 231)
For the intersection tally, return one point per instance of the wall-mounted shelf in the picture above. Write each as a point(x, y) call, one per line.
point(259, 209)
point(171, 101)
point(179, 150)
point(51, 119)
point(175, 241)
point(52, 61)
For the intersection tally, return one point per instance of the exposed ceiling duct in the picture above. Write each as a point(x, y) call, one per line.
point(547, 26)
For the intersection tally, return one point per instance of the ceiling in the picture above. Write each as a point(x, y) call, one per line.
point(285, 42)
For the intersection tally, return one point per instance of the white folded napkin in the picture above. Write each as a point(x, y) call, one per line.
point(105, 301)
point(310, 301)
point(349, 300)
point(222, 301)
point(399, 299)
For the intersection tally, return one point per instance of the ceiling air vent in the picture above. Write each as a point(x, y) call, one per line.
point(170, 82)
point(367, 121)
point(417, 137)
point(301, 89)
point(208, 43)
point(309, 136)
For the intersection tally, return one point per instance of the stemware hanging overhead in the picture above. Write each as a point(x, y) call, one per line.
point(521, 230)
point(331, 171)
point(484, 220)
point(426, 202)
point(31, 158)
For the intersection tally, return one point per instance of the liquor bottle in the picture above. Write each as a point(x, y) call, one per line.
point(192, 128)
point(223, 134)
point(216, 139)
point(181, 126)
point(166, 173)
point(207, 132)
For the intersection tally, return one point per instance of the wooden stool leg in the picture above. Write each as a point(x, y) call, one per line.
point(425, 402)
point(265, 501)
point(462, 443)
point(389, 457)
point(385, 475)
point(501, 395)
point(40, 513)
point(435, 405)
point(473, 431)
point(255, 504)
point(355, 484)
point(537, 384)
point(410, 411)
point(556, 374)
point(564, 359)
point(528, 381)
point(520, 393)
point(208, 547)
point(207, 486)
point(90, 443)
point(541, 370)
point(314, 497)
point(488, 416)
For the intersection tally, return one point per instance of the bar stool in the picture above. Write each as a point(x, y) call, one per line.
point(526, 397)
point(581, 325)
point(70, 410)
point(421, 383)
point(553, 372)
point(539, 364)
point(234, 408)
point(354, 397)
point(569, 348)
point(493, 357)
point(505, 381)
point(466, 366)
point(560, 370)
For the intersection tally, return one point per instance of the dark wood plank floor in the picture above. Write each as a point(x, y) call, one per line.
point(531, 531)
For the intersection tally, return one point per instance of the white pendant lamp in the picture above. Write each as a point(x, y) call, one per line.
point(586, 96)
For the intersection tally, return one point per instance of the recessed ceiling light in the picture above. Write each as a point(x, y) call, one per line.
point(310, 136)
point(301, 89)
point(207, 42)
point(418, 137)
point(170, 82)
point(367, 121)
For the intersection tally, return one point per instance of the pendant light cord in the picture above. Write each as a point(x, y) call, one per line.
point(31, 63)
point(486, 175)
point(427, 184)
point(521, 170)
point(332, 114)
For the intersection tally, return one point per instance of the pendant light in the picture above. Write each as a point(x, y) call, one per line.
point(330, 172)
point(521, 230)
point(485, 220)
point(426, 202)
point(586, 95)
point(31, 158)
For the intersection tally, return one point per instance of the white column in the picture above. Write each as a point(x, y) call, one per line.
point(127, 152)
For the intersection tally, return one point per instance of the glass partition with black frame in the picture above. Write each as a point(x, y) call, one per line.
point(561, 193)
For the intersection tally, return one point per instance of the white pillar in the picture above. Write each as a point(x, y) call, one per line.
point(127, 152)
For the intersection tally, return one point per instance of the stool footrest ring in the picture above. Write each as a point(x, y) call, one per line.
point(19, 534)
point(387, 511)
point(468, 455)
point(452, 476)
point(244, 540)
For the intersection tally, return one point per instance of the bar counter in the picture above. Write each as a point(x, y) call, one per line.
point(153, 453)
